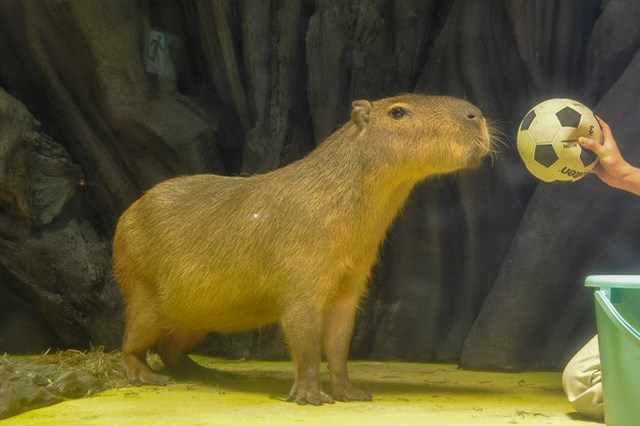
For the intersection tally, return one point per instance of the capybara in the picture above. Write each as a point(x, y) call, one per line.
point(207, 253)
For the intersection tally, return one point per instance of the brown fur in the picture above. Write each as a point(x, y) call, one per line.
point(207, 253)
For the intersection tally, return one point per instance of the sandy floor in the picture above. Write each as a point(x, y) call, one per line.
point(252, 393)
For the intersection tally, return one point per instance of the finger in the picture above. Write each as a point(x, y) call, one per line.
point(598, 171)
point(606, 130)
point(602, 123)
point(591, 145)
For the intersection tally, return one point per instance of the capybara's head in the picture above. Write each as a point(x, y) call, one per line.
point(427, 134)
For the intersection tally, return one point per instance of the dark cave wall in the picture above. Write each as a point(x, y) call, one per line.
point(484, 267)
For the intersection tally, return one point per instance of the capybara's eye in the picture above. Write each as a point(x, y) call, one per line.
point(397, 113)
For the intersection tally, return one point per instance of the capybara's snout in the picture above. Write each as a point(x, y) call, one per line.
point(466, 112)
point(471, 118)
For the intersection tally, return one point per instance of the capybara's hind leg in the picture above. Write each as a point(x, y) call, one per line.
point(173, 348)
point(138, 372)
point(141, 334)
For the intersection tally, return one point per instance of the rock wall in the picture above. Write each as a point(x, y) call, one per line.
point(485, 267)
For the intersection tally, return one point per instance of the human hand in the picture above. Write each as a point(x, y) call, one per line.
point(612, 168)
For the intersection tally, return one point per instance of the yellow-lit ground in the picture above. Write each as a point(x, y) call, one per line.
point(252, 394)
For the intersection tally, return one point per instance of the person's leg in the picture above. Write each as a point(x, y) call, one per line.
point(582, 381)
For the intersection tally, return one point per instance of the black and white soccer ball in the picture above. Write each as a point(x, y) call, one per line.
point(548, 140)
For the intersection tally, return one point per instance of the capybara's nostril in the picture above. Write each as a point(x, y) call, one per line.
point(474, 115)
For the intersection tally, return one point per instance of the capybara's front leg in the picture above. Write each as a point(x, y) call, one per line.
point(338, 329)
point(304, 335)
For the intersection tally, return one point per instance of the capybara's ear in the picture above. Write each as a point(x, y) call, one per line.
point(360, 112)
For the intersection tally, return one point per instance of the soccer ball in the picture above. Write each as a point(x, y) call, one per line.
point(548, 140)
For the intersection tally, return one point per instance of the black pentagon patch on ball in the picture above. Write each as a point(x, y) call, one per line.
point(587, 157)
point(527, 120)
point(568, 117)
point(545, 155)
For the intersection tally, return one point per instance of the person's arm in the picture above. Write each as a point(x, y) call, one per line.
point(612, 168)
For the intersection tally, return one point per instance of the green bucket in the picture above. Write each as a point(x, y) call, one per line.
point(617, 303)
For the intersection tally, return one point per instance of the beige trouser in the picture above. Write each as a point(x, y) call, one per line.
point(582, 382)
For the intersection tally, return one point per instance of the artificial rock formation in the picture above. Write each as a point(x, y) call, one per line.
point(483, 268)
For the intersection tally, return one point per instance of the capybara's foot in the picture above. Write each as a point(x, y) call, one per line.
point(148, 378)
point(308, 396)
point(139, 373)
point(349, 393)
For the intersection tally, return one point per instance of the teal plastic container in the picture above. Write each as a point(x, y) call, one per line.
point(617, 301)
